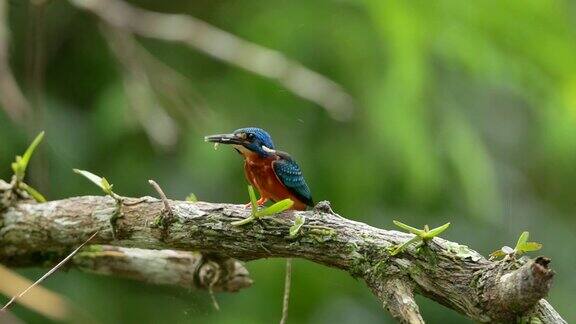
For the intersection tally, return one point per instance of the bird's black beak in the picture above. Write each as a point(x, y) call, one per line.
point(225, 139)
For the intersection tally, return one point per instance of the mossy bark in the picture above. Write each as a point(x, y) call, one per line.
point(444, 271)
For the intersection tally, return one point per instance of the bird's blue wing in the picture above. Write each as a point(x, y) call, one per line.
point(289, 173)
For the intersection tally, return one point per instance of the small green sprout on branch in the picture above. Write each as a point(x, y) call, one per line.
point(422, 235)
point(19, 167)
point(101, 182)
point(32, 192)
point(276, 208)
point(522, 246)
point(191, 198)
point(298, 222)
point(106, 187)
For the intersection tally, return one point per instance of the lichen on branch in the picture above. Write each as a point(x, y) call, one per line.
point(446, 272)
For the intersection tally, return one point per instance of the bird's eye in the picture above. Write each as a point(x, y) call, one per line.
point(250, 137)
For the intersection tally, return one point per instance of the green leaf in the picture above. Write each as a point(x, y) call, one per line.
point(16, 166)
point(522, 240)
point(421, 235)
point(253, 201)
point(278, 207)
point(298, 222)
point(28, 154)
point(504, 251)
point(19, 167)
point(531, 246)
point(106, 186)
point(436, 231)
point(274, 209)
point(523, 245)
point(100, 182)
point(402, 246)
point(409, 228)
point(32, 192)
point(243, 221)
point(191, 198)
point(497, 254)
point(90, 176)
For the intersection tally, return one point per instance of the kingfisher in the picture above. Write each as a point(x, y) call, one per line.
point(273, 173)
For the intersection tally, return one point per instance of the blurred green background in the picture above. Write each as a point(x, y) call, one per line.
point(463, 112)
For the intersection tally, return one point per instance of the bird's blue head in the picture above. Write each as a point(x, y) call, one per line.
point(248, 139)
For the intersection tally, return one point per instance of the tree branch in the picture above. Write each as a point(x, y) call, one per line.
point(524, 287)
point(444, 271)
point(226, 47)
point(190, 270)
point(398, 299)
point(11, 97)
point(160, 127)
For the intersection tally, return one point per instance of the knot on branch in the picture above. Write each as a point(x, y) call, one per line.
point(513, 293)
point(223, 275)
point(209, 273)
point(4, 186)
point(9, 194)
point(4, 195)
point(325, 207)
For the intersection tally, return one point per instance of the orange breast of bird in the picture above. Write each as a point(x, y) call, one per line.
point(260, 173)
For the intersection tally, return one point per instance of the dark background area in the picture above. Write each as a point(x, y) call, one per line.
point(463, 112)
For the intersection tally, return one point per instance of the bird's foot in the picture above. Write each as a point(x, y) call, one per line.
point(260, 202)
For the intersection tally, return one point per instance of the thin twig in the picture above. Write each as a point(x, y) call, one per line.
point(162, 196)
point(173, 90)
point(227, 47)
point(213, 298)
point(287, 283)
point(156, 122)
point(47, 274)
point(11, 97)
point(210, 273)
